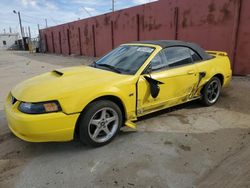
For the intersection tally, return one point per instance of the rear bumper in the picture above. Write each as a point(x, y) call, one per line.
point(40, 127)
point(227, 79)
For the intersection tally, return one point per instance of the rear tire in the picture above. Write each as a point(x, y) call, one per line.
point(211, 92)
point(100, 123)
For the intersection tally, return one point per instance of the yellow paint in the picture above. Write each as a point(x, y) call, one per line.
point(130, 124)
point(80, 85)
point(40, 127)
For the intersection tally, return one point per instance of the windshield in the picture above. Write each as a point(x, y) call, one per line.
point(125, 59)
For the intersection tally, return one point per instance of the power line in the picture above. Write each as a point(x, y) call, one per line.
point(32, 17)
point(28, 21)
point(55, 21)
point(87, 11)
point(33, 23)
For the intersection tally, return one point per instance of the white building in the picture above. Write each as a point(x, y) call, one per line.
point(8, 40)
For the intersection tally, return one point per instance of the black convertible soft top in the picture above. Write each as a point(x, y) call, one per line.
point(171, 43)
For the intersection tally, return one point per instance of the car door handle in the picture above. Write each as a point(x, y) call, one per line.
point(190, 72)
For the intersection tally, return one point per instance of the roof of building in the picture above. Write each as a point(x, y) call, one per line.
point(8, 34)
point(171, 43)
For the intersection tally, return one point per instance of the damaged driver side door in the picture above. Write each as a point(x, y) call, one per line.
point(169, 79)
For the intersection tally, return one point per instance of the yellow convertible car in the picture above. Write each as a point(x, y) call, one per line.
point(92, 102)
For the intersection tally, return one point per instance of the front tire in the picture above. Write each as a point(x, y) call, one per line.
point(211, 92)
point(100, 123)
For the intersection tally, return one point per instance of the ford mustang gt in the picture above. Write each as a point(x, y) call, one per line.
point(93, 102)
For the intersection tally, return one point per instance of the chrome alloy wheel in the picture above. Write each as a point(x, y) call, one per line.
point(213, 91)
point(103, 125)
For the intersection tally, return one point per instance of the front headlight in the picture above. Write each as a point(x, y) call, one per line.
point(40, 107)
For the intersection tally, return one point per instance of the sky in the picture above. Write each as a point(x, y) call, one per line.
point(56, 12)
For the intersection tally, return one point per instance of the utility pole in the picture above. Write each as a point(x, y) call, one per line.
point(21, 27)
point(113, 5)
point(46, 23)
point(39, 39)
point(38, 28)
point(26, 31)
point(20, 23)
point(23, 31)
point(29, 32)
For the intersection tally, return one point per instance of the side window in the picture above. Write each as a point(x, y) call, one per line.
point(158, 62)
point(177, 56)
point(195, 56)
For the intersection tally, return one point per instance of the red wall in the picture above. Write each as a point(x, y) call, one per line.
point(215, 25)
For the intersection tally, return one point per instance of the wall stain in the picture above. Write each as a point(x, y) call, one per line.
point(185, 15)
point(211, 7)
point(211, 19)
point(223, 16)
point(85, 30)
point(126, 14)
point(106, 20)
point(225, 11)
point(96, 23)
point(152, 25)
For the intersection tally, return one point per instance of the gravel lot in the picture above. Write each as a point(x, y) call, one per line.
point(186, 146)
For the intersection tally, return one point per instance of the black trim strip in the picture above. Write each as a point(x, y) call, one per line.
point(136, 96)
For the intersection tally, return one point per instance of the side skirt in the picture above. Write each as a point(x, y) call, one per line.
point(166, 107)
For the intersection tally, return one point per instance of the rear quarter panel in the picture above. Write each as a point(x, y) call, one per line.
point(220, 64)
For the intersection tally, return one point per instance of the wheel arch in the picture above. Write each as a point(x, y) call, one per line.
point(112, 98)
point(221, 78)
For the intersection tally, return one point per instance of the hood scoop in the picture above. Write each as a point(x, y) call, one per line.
point(58, 73)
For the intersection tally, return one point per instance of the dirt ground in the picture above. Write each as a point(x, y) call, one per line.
point(186, 146)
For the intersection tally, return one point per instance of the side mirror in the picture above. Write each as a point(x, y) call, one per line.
point(154, 86)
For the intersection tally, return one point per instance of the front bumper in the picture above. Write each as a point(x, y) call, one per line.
point(40, 127)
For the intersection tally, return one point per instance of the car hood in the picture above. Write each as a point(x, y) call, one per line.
point(50, 86)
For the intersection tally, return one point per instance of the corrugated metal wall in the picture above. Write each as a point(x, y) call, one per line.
point(215, 25)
